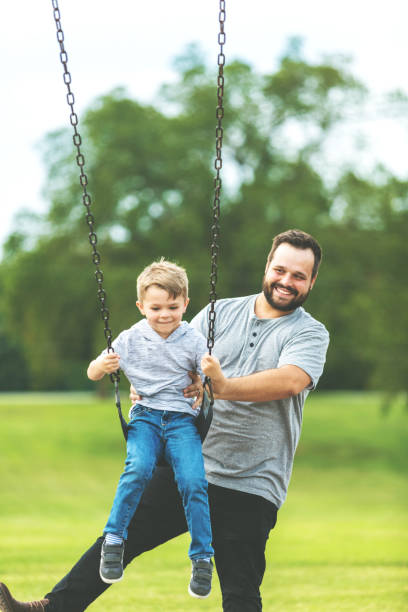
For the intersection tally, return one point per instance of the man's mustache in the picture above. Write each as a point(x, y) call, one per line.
point(290, 289)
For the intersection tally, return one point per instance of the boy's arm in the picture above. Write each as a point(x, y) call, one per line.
point(107, 363)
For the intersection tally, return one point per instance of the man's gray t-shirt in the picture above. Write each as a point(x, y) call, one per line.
point(250, 446)
point(158, 367)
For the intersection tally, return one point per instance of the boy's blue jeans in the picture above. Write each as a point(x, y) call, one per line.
point(174, 434)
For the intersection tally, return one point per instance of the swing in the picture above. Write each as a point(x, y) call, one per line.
point(204, 418)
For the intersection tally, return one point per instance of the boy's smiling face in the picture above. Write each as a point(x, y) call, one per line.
point(163, 312)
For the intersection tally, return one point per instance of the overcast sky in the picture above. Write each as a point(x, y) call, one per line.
point(133, 43)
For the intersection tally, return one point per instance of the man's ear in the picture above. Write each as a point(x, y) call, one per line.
point(313, 282)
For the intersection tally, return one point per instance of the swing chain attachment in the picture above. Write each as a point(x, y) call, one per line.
point(219, 133)
point(83, 179)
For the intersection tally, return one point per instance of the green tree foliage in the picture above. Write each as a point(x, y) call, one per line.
point(151, 174)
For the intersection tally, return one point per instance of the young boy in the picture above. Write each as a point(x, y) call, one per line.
point(156, 355)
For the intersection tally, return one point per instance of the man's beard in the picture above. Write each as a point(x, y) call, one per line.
point(288, 306)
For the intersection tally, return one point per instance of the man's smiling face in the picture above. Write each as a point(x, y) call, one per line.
point(288, 278)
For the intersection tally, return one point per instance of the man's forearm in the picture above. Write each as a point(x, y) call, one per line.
point(263, 386)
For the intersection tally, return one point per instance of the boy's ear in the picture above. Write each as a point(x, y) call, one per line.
point(140, 306)
point(186, 303)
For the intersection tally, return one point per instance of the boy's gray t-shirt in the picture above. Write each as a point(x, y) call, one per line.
point(158, 367)
point(250, 446)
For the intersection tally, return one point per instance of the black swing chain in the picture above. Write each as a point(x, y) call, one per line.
point(83, 179)
point(215, 227)
point(216, 209)
point(86, 198)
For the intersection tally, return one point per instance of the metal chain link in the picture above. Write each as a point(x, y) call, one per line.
point(83, 179)
point(215, 227)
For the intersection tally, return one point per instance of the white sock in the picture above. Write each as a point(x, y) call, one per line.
point(112, 538)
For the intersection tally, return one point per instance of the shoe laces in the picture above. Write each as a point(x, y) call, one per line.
point(38, 605)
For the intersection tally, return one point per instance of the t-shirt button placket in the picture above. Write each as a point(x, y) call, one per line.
point(252, 344)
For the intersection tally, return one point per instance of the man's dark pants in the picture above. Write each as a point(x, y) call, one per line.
point(240, 523)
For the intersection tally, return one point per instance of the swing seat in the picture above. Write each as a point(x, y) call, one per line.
point(204, 418)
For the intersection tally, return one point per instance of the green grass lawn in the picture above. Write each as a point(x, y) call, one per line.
point(341, 541)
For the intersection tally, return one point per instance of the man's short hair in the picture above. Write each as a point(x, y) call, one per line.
point(166, 275)
point(300, 240)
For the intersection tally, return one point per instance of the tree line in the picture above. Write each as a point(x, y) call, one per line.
point(151, 173)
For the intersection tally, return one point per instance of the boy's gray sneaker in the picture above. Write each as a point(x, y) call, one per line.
point(111, 567)
point(201, 574)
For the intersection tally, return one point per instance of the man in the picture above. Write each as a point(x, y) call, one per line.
point(272, 354)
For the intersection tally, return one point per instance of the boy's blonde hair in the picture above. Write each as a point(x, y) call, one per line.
point(166, 275)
